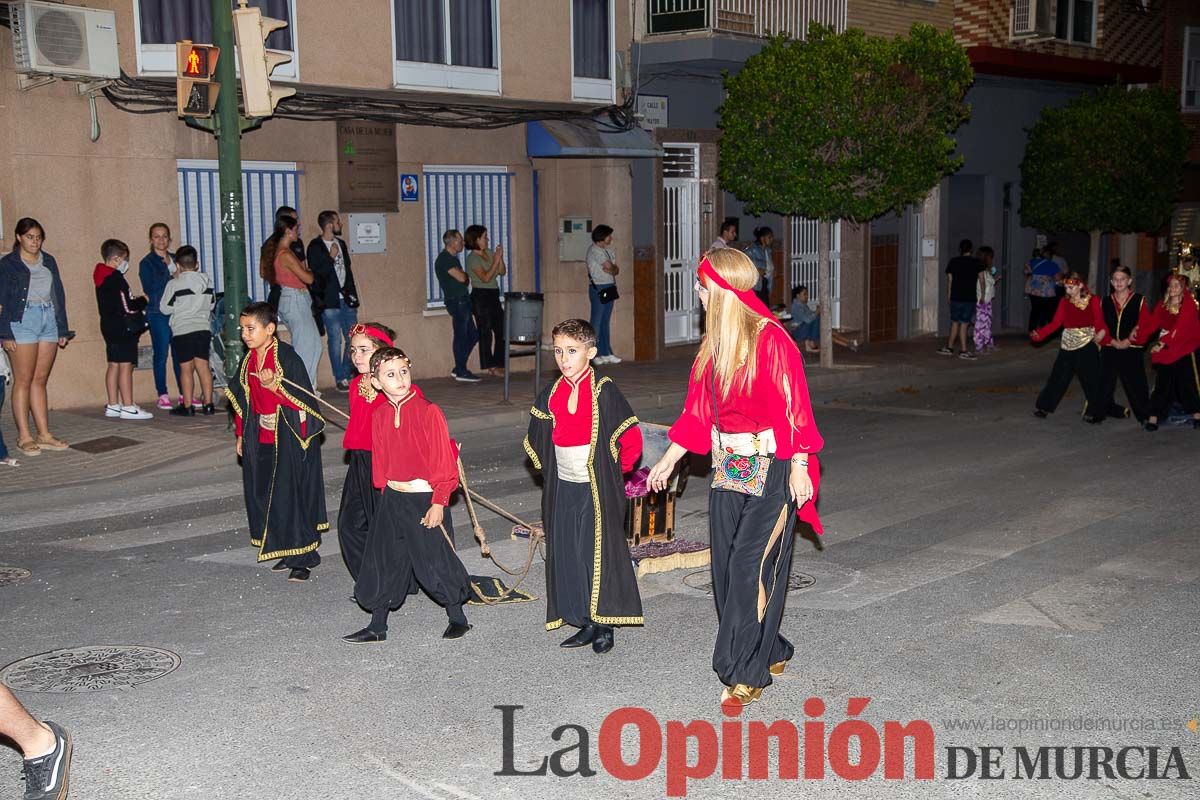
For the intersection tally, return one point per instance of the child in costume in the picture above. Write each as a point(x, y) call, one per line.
point(583, 436)
point(1122, 358)
point(1174, 355)
point(1082, 320)
point(414, 462)
point(277, 439)
point(359, 495)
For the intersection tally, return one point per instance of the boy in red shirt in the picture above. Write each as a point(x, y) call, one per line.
point(583, 436)
point(414, 462)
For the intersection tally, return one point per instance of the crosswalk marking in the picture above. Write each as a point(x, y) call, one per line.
point(157, 534)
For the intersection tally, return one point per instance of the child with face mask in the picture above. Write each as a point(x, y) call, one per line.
point(122, 322)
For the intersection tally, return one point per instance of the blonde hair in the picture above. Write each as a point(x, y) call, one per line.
point(731, 328)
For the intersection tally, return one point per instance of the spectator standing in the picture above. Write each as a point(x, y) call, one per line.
point(962, 279)
point(122, 323)
point(188, 303)
point(806, 323)
point(602, 291)
point(45, 746)
point(33, 328)
point(297, 248)
point(727, 234)
point(1043, 277)
point(329, 260)
point(760, 254)
point(154, 270)
point(456, 295)
point(484, 268)
point(5, 380)
point(279, 266)
point(984, 343)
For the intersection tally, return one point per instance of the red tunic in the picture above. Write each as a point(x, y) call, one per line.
point(573, 430)
point(410, 441)
point(358, 428)
point(1070, 315)
point(262, 400)
point(1179, 332)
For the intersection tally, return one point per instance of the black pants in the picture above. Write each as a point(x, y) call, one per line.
point(1180, 382)
point(489, 319)
point(1041, 310)
point(573, 545)
point(359, 498)
point(1130, 367)
point(1085, 363)
point(751, 561)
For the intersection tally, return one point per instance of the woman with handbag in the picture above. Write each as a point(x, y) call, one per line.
point(602, 291)
point(122, 322)
point(748, 402)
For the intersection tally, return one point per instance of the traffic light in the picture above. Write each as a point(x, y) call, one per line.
point(196, 87)
point(251, 30)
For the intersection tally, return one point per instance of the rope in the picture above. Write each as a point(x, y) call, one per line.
point(471, 497)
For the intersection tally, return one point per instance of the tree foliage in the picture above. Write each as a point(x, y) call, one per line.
point(1110, 160)
point(843, 126)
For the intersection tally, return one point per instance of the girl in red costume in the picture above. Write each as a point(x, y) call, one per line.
point(1173, 356)
point(359, 495)
point(1082, 320)
point(748, 403)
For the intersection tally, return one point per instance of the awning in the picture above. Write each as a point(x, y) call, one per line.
point(560, 139)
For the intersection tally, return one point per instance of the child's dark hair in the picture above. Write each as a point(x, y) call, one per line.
point(799, 288)
point(113, 247)
point(1119, 267)
point(355, 331)
point(578, 329)
point(601, 232)
point(262, 313)
point(384, 354)
point(187, 257)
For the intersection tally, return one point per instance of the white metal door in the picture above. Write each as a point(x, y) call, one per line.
point(681, 243)
point(804, 263)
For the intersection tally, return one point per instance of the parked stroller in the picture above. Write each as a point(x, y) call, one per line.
point(216, 355)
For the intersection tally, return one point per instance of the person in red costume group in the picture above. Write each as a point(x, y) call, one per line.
point(1173, 356)
point(748, 403)
point(584, 437)
point(1082, 320)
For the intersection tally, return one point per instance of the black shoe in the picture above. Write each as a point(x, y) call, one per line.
point(46, 776)
point(1093, 420)
point(209, 409)
point(466, 376)
point(1037, 412)
point(342, 386)
point(280, 566)
point(1150, 427)
point(299, 575)
point(182, 410)
point(604, 639)
point(365, 636)
point(582, 637)
point(456, 630)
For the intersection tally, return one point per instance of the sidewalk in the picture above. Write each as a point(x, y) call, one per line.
point(105, 448)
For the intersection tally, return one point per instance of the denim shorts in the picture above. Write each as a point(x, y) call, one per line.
point(37, 325)
point(963, 311)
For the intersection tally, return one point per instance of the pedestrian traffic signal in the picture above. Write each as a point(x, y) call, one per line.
point(196, 86)
point(251, 29)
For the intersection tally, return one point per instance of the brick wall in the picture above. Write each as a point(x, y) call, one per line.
point(892, 17)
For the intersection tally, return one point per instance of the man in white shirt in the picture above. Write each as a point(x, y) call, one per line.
point(329, 260)
point(728, 234)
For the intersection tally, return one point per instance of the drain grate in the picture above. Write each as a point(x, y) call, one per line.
point(701, 580)
point(9, 575)
point(105, 444)
point(89, 669)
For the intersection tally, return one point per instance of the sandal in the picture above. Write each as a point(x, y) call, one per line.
point(9, 462)
point(29, 447)
point(51, 443)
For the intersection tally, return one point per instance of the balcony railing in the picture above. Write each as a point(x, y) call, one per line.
point(745, 17)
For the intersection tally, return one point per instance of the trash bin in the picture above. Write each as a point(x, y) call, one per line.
point(523, 314)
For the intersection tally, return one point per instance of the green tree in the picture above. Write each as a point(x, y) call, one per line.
point(1109, 160)
point(843, 126)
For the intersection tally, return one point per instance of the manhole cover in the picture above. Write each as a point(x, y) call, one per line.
point(89, 669)
point(702, 581)
point(13, 575)
point(105, 444)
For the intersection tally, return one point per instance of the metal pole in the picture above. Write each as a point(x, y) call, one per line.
point(229, 159)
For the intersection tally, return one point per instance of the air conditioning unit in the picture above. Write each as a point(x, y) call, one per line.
point(64, 41)
point(1033, 19)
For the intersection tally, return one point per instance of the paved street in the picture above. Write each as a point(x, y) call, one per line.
point(978, 563)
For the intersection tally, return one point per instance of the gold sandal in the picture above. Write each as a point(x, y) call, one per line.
point(52, 443)
point(29, 447)
point(741, 694)
point(778, 667)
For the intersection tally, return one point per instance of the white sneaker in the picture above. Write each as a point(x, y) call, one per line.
point(134, 412)
point(612, 360)
point(600, 361)
point(112, 411)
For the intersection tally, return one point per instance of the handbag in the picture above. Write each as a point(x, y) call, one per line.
point(607, 294)
point(746, 474)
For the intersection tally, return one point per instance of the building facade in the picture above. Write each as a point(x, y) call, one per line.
point(494, 57)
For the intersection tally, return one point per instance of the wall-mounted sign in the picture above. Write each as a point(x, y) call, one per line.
point(408, 189)
point(368, 178)
point(652, 111)
point(366, 233)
